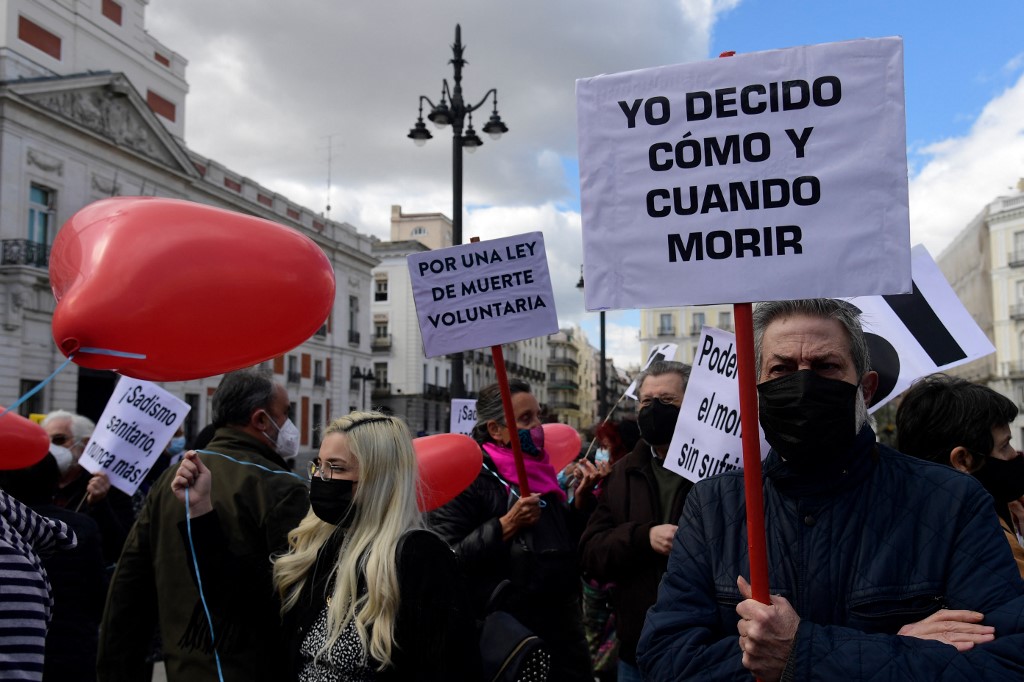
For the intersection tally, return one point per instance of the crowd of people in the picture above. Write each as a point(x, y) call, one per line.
point(883, 564)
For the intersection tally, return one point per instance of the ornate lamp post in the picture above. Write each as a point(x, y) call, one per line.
point(453, 110)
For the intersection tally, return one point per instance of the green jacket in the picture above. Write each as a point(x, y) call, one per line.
point(153, 585)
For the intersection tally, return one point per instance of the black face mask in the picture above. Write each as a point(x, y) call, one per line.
point(332, 500)
point(1003, 479)
point(807, 418)
point(657, 422)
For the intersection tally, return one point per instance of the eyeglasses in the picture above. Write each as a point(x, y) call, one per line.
point(664, 400)
point(61, 439)
point(326, 472)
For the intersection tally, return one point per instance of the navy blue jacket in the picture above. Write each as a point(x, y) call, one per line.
point(877, 542)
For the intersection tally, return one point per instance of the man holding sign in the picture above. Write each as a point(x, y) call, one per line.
point(873, 559)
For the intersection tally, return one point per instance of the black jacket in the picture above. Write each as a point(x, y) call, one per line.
point(616, 546)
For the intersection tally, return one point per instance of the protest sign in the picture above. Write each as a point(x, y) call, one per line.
point(765, 176)
point(139, 420)
point(662, 351)
point(463, 416)
point(913, 335)
point(708, 437)
point(483, 294)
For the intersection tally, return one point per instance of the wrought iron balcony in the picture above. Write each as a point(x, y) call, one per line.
point(320, 381)
point(381, 389)
point(381, 342)
point(294, 377)
point(557, 361)
point(667, 331)
point(353, 337)
point(25, 252)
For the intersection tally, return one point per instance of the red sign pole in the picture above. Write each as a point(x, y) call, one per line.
point(756, 545)
point(510, 419)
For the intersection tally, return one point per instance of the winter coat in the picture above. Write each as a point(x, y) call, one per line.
point(882, 541)
point(616, 545)
point(257, 509)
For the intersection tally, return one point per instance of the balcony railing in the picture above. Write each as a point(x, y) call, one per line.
point(558, 405)
point(381, 342)
point(381, 389)
point(294, 377)
point(320, 381)
point(434, 391)
point(321, 333)
point(353, 337)
point(24, 252)
point(695, 329)
point(563, 384)
point(555, 361)
point(1015, 258)
point(666, 331)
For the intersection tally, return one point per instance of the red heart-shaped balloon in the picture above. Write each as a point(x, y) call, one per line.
point(562, 443)
point(196, 290)
point(22, 442)
point(448, 463)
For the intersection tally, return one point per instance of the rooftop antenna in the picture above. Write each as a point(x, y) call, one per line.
point(330, 159)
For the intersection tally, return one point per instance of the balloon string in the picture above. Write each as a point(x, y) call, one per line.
point(39, 387)
point(192, 548)
point(114, 353)
point(199, 584)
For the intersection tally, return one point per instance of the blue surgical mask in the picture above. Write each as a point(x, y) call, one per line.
point(176, 446)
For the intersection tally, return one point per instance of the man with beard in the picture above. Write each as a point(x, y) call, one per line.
point(951, 421)
point(629, 535)
point(880, 568)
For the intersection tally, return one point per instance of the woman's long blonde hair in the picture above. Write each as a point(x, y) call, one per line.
point(384, 507)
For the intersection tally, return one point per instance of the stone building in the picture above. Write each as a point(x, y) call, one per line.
point(93, 106)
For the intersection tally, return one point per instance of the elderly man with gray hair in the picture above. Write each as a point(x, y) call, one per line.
point(881, 567)
point(629, 535)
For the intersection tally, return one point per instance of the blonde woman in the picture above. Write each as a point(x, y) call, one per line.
point(367, 592)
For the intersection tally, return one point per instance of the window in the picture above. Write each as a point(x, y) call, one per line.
point(419, 231)
point(318, 424)
point(698, 322)
point(725, 321)
point(353, 319)
point(40, 215)
point(380, 330)
point(33, 404)
point(380, 373)
point(166, 108)
point(38, 37)
point(380, 292)
point(665, 325)
point(111, 10)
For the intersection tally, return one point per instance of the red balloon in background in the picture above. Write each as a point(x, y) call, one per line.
point(448, 463)
point(22, 442)
point(198, 290)
point(562, 443)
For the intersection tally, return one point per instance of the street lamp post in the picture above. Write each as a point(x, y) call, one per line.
point(365, 376)
point(602, 391)
point(452, 110)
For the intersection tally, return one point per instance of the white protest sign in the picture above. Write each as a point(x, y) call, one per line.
point(707, 439)
point(662, 351)
point(137, 424)
point(463, 416)
point(483, 294)
point(913, 335)
point(763, 176)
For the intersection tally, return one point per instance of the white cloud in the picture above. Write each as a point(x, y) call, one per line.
point(961, 175)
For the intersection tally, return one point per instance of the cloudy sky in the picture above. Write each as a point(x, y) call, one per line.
point(275, 87)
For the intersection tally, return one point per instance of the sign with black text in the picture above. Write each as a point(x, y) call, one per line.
point(137, 424)
point(762, 176)
point(708, 437)
point(659, 352)
point(483, 294)
point(463, 416)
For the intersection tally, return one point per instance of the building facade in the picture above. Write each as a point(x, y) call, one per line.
point(92, 106)
point(681, 326)
point(985, 266)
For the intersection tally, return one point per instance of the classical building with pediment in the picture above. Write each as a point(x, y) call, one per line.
point(92, 106)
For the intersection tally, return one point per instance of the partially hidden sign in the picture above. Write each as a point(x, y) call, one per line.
point(910, 336)
point(708, 438)
point(463, 417)
point(483, 294)
point(139, 420)
point(764, 176)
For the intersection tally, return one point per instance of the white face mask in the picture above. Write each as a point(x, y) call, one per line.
point(63, 456)
point(287, 441)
